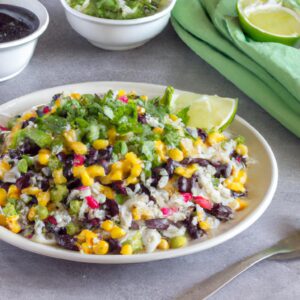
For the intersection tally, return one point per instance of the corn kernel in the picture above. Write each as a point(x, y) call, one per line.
point(215, 138)
point(13, 224)
point(108, 192)
point(43, 198)
point(204, 225)
point(4, 167)
point(163, 245)
point(131, 180)
point(242, 149)
point(116, 175)
point(235, 186)
point(76, 96)
point(242, 204)
point(198, 142)
point(176, 154)
point(32, 190)
point(86, 179)
point(77, 170)
point(79, 148)
point(100, 144)
point(95, 171)
point(131, 157)
point(158, 130)
point(81, 237)
point(107, 225)
point(117, 232)
point(200, 216)
point(241, 177)
point(13, 192)
point(141, 110)
point(121, 93)
point(28, 115)
point(101, 248)
point(173, 117)
point(31, 214)
point(160, 148)
point(126, 250)
point(44, 156)
point(59, 177)
point(70, 136)
point(51, 206)
point(89, 237)
point(112, 135)
point(136, 170)
point(144, 98)
point(186, 172)
point(3, 196)
point(135, 214)
point(87, 249)
point(3, 220)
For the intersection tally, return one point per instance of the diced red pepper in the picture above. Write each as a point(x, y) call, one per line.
point(166, 211)
point(82, 188)
point(123, 99)
point(204, 203)
point(2, 128)
point(52, 220)
point(46, 110)
point(92, 202)
point(78, 160)
point(187, 196)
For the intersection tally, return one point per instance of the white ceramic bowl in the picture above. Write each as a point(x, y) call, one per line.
point(262, 183)
point(118, 34)
point(15, 55)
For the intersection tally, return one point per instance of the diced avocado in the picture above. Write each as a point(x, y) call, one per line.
point(75, 206)
point(58, 193)
point(166, 99)
point(41, 138)
point(136, 242)
point(9, 210)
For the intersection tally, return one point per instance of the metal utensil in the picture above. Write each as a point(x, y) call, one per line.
point(288, 248)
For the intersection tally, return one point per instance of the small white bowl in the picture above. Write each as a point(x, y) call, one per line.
point(15, 55)
point(118, 34)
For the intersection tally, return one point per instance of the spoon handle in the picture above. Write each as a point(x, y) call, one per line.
point(219, 280)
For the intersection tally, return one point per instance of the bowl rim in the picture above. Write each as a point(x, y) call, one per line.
point(37, 33)
point(158, 15)
point(55, 252)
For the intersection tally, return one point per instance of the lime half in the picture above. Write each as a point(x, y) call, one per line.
point(207, 112)
point(269, 21)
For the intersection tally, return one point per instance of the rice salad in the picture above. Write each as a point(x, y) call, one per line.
point(117, 173)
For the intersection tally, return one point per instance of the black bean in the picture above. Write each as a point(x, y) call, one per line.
point(202, 134)
point(185, 185)
point(160, 224)
point(222, 170)
point(74, 183)
point(142, 119)
point(114, 246)
point(66, 241)
point(23, 181)
point(112, 208)
point(200, 161)
point(29, 147)
point(119, 187)
point(221, 212)
point(193, 229)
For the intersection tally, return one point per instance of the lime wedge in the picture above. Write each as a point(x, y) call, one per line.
point(207, 112)
point(269, 21)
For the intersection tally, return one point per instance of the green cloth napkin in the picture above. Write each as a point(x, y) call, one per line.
point(267, 72)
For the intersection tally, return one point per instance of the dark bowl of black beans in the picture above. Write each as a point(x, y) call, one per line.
point(22, 22)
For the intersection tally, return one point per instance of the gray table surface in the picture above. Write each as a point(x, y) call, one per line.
point(63, 57)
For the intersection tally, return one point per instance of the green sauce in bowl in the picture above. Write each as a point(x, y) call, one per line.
point(117, 9)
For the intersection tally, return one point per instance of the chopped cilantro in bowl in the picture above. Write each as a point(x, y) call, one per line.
point(117, 9)
point(117, 173)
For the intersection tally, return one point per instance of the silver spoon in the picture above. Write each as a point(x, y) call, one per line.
point(288, 248)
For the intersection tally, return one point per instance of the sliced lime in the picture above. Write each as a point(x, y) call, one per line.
point(266, 21)
point(207, 112)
